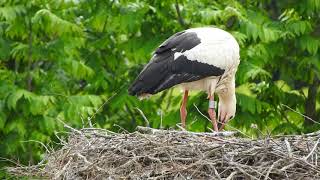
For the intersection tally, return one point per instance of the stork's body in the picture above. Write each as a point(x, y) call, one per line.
point(204, 59)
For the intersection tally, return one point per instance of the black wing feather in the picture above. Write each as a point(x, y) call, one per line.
point(163, 71)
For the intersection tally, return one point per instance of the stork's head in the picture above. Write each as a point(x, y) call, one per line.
point(227, 104)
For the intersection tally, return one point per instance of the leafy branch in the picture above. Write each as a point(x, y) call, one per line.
point(180, 18)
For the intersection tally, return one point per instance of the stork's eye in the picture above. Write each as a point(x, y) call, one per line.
point(231, 117)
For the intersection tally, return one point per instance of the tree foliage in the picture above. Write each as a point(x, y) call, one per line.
point(61, 60)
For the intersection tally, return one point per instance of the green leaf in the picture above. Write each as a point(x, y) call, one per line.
point(299, 27)
point(77, 68)
point(20, 51)
point(13, 98)
point(10, 13)
point(3, 116)
point(310, 44)
point(15, 125)
point(95, 100)
point(4, 48)
point(52, 24)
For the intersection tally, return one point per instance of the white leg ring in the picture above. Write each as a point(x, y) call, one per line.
point(212, 104)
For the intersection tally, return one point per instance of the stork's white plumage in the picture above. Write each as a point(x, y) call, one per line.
point(204, 59)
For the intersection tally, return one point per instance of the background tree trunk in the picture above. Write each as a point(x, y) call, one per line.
point(310, 106)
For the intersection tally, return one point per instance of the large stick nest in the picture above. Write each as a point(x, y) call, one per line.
point(161, 154)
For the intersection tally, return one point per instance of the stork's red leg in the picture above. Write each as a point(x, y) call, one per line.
point(183, 110)
point(212, 112)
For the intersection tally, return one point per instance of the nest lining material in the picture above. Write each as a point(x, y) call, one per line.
point(166, 154)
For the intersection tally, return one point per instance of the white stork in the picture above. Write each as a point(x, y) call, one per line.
point(204, 59)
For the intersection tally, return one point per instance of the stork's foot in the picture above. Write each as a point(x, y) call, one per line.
point(212, 115)
point(223, 123)
point(220, 124)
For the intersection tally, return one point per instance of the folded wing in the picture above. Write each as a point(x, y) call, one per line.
point(169, 67)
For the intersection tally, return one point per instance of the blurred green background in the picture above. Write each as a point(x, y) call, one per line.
point(61, 60)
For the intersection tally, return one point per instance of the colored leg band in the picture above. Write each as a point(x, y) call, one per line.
point(212, 104)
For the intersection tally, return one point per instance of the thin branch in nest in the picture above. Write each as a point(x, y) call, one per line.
point(231, 175)
point(160, 131)
point(270, 169)
point(161, 114)
point(69, 127)
point(288, 147)
point(180, 127)
point(43, 145)
point(144, 117)
point(63, 170)
point(313, 149)
point(121, 128)
point(300, 114)
point(104, 103)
